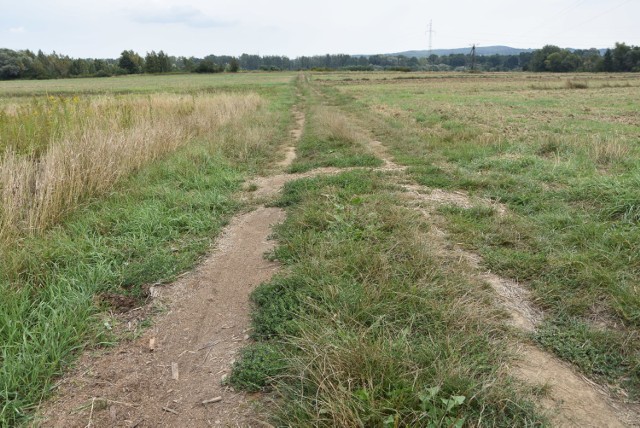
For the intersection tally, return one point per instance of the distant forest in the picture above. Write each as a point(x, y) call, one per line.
point(26, 64)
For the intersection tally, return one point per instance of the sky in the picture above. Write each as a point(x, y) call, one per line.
point(104, 28)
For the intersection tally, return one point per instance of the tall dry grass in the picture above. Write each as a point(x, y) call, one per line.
point(331, 124)
point(602, 150)
point(94, 146)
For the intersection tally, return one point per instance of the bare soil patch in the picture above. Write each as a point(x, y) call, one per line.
point(296, 134)
point(573, 400)
point(381, 151)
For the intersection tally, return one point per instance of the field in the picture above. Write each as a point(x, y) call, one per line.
point(444, 234)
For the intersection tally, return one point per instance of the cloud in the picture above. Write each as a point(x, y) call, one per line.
point(17, 30)
point(185, 15)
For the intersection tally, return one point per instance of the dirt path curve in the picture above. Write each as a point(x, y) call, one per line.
point(194, 344)
point(172, 376)
point(573, 400)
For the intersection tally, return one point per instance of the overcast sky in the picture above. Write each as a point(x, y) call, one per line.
point(103, 28)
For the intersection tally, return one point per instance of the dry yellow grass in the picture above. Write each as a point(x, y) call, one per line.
point(119, 136)
point(331, 124)
point(604, 150)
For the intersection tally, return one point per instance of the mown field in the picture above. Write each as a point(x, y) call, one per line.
point(109, 185)
point(562, 154)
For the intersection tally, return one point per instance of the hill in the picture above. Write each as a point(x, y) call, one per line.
point(481, 50)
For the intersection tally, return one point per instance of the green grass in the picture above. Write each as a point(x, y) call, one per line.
point(258, 365)
point(153, 227)
point(315, 152)
point(369, 328)
point(564, 162)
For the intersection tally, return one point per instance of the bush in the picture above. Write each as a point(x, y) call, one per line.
point(102, 73)
point(402, 69)
point(207, 66)
point(234, 66)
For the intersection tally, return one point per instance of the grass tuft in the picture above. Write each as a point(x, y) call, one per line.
point(258, 365)
point(597, 352)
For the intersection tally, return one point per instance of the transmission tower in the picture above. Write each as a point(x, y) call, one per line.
point(430, 37)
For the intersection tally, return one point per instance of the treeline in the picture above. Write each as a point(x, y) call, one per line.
point(29, 65)
point(622, 58)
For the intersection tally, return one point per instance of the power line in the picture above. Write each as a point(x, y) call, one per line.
point(554, 17)
point(593, 18)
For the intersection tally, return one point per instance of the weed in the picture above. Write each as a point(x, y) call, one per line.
point(258, 365)
point(576, 84)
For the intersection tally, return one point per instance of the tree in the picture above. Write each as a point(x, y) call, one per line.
point(186, 64)
point(250, 62)
point(79, 67)
point(562, 62)
point(234, 65)
point(620, 57)
point(131, 62)
point(607, 61)
point(13, 64)
point(524, 58)
point(591, 59)
point(539, 58)
point(512, 62)
point(634, 58)
point(157, 62)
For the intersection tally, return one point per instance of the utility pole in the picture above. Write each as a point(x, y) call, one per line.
point(473, 58)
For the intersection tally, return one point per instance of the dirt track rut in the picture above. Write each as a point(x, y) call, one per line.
point(573, 400)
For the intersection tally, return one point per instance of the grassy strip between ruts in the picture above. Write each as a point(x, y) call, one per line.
point(151, 227)
point(330, 140)
point(365, 328)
